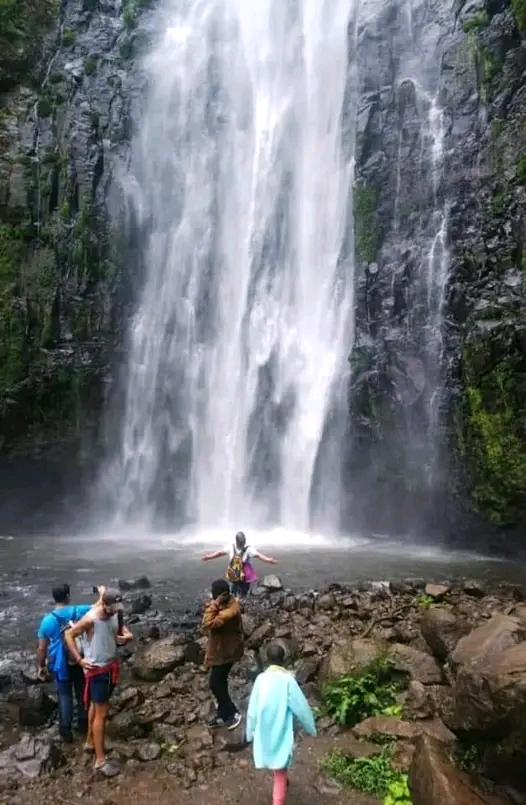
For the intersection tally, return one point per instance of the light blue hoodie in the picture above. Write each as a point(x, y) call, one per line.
point(275, 700)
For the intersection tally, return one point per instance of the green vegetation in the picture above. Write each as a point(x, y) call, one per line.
point(476, 22)
point(495, 432)
point(371, 692)
point(519, 8)
point(424, 600)
point(365, 235)
point(372, 775)
point(521, 170)
point(68, 37)
point(22, 25)
point(90, 64)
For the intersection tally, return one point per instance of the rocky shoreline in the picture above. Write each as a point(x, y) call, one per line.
point(456, 650)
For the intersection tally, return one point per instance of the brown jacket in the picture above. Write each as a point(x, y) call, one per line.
point(225, 633)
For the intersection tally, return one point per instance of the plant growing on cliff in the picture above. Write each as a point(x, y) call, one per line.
point(352, 697)
point(519, 8)
point(22, 24)
point(364, 210)
point(372, 775)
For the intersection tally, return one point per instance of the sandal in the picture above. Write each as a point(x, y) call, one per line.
point(107, 769)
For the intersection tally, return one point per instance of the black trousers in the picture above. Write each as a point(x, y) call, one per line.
point(226, 708)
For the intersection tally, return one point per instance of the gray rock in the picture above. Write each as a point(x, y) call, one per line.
point(33, 756)
point(420, 666)
point(148, 752)
point(36, 707)
point(441, 629)
point(157, 659)
point(306, 671)
point(272, 583)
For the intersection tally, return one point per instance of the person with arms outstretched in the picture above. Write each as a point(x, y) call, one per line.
point(240, 571)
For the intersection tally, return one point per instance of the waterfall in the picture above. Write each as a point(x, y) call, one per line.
point(242, 185)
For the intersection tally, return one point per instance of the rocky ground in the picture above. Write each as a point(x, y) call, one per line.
point(459, 652)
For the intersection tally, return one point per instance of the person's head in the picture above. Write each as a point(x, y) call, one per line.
point(111, 602)
point(220, 587)
point(241, 541)
point(275, 654)
point(61, 594)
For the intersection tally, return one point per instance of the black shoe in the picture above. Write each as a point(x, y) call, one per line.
point(234, 722)
point(216, 722)
point(67, 737)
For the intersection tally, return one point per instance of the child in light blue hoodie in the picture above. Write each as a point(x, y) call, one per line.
point(275, 700)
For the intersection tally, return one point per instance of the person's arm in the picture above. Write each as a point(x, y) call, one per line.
point(215, 616)
point(42, 644)
point(252, 711)
point(70, 636)
point(264, 558)
point(300, 707)
point(214, 555)
point(124, 637)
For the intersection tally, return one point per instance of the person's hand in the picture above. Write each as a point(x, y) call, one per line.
point(273, 561)
point(43, 674)
point(85, 664)
point(101, 589)
point(221, 599)
point(122, 639)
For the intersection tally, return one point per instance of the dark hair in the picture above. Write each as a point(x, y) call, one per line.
point(219, 586)
point(275, 654)
point(241, 540)
point(61, 593)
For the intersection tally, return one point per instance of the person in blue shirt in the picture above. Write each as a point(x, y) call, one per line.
point(275, 701)
point(52, 657)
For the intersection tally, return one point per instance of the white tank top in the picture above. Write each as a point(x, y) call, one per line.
point(101, 648)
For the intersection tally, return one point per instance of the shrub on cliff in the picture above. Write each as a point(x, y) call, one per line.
point(22, 25)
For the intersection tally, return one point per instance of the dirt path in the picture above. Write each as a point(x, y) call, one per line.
point(235, 783)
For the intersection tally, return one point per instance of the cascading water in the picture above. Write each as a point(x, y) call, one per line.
point(238, 349)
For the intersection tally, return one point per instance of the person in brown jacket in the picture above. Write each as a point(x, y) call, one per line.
point(222, 621)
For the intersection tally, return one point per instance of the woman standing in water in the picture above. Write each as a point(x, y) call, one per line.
point(240, 571)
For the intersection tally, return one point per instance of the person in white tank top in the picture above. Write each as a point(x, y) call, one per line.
point(100, 632)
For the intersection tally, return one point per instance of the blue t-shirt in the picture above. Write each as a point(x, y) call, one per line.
point(50, 628)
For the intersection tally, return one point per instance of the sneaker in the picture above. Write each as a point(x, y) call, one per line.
point(216, 722)
point(234, 722)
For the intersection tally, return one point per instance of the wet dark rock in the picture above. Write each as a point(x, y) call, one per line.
point(442, 629)
point(140, 583)
point(141, 604)
point(307, 671)
point(36, 707)
point(474, 588)
point(420, 666)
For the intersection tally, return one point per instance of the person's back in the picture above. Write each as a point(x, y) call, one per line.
point(100, 648)
point(276, 699)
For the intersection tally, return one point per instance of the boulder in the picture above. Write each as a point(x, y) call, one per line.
point(434, 780)
point(492, 638)
point(419, 703)
point(306, 671)
point(140, 583)
point(290, 647)
point(408, 730)
point(326, 602)
point(260, 635)
point(157, 659)
point(32, 756)
point(437, 591)
point(249, 624)
point(441, 630)
point(420, 666)
point(490, 693)
point(127, 725)
point(351, 655)
point(474, 588)
point(272, 583)
point(141, 604)
point(36, 707)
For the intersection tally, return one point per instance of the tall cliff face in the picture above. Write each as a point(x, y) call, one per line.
point(438, 388)
point(66, 90)
point(438, 385)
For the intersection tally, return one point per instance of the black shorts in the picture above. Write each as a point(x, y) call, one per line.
point(100, 688)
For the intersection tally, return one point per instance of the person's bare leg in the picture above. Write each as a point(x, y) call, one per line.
point(89, 737)
point(99, 725)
